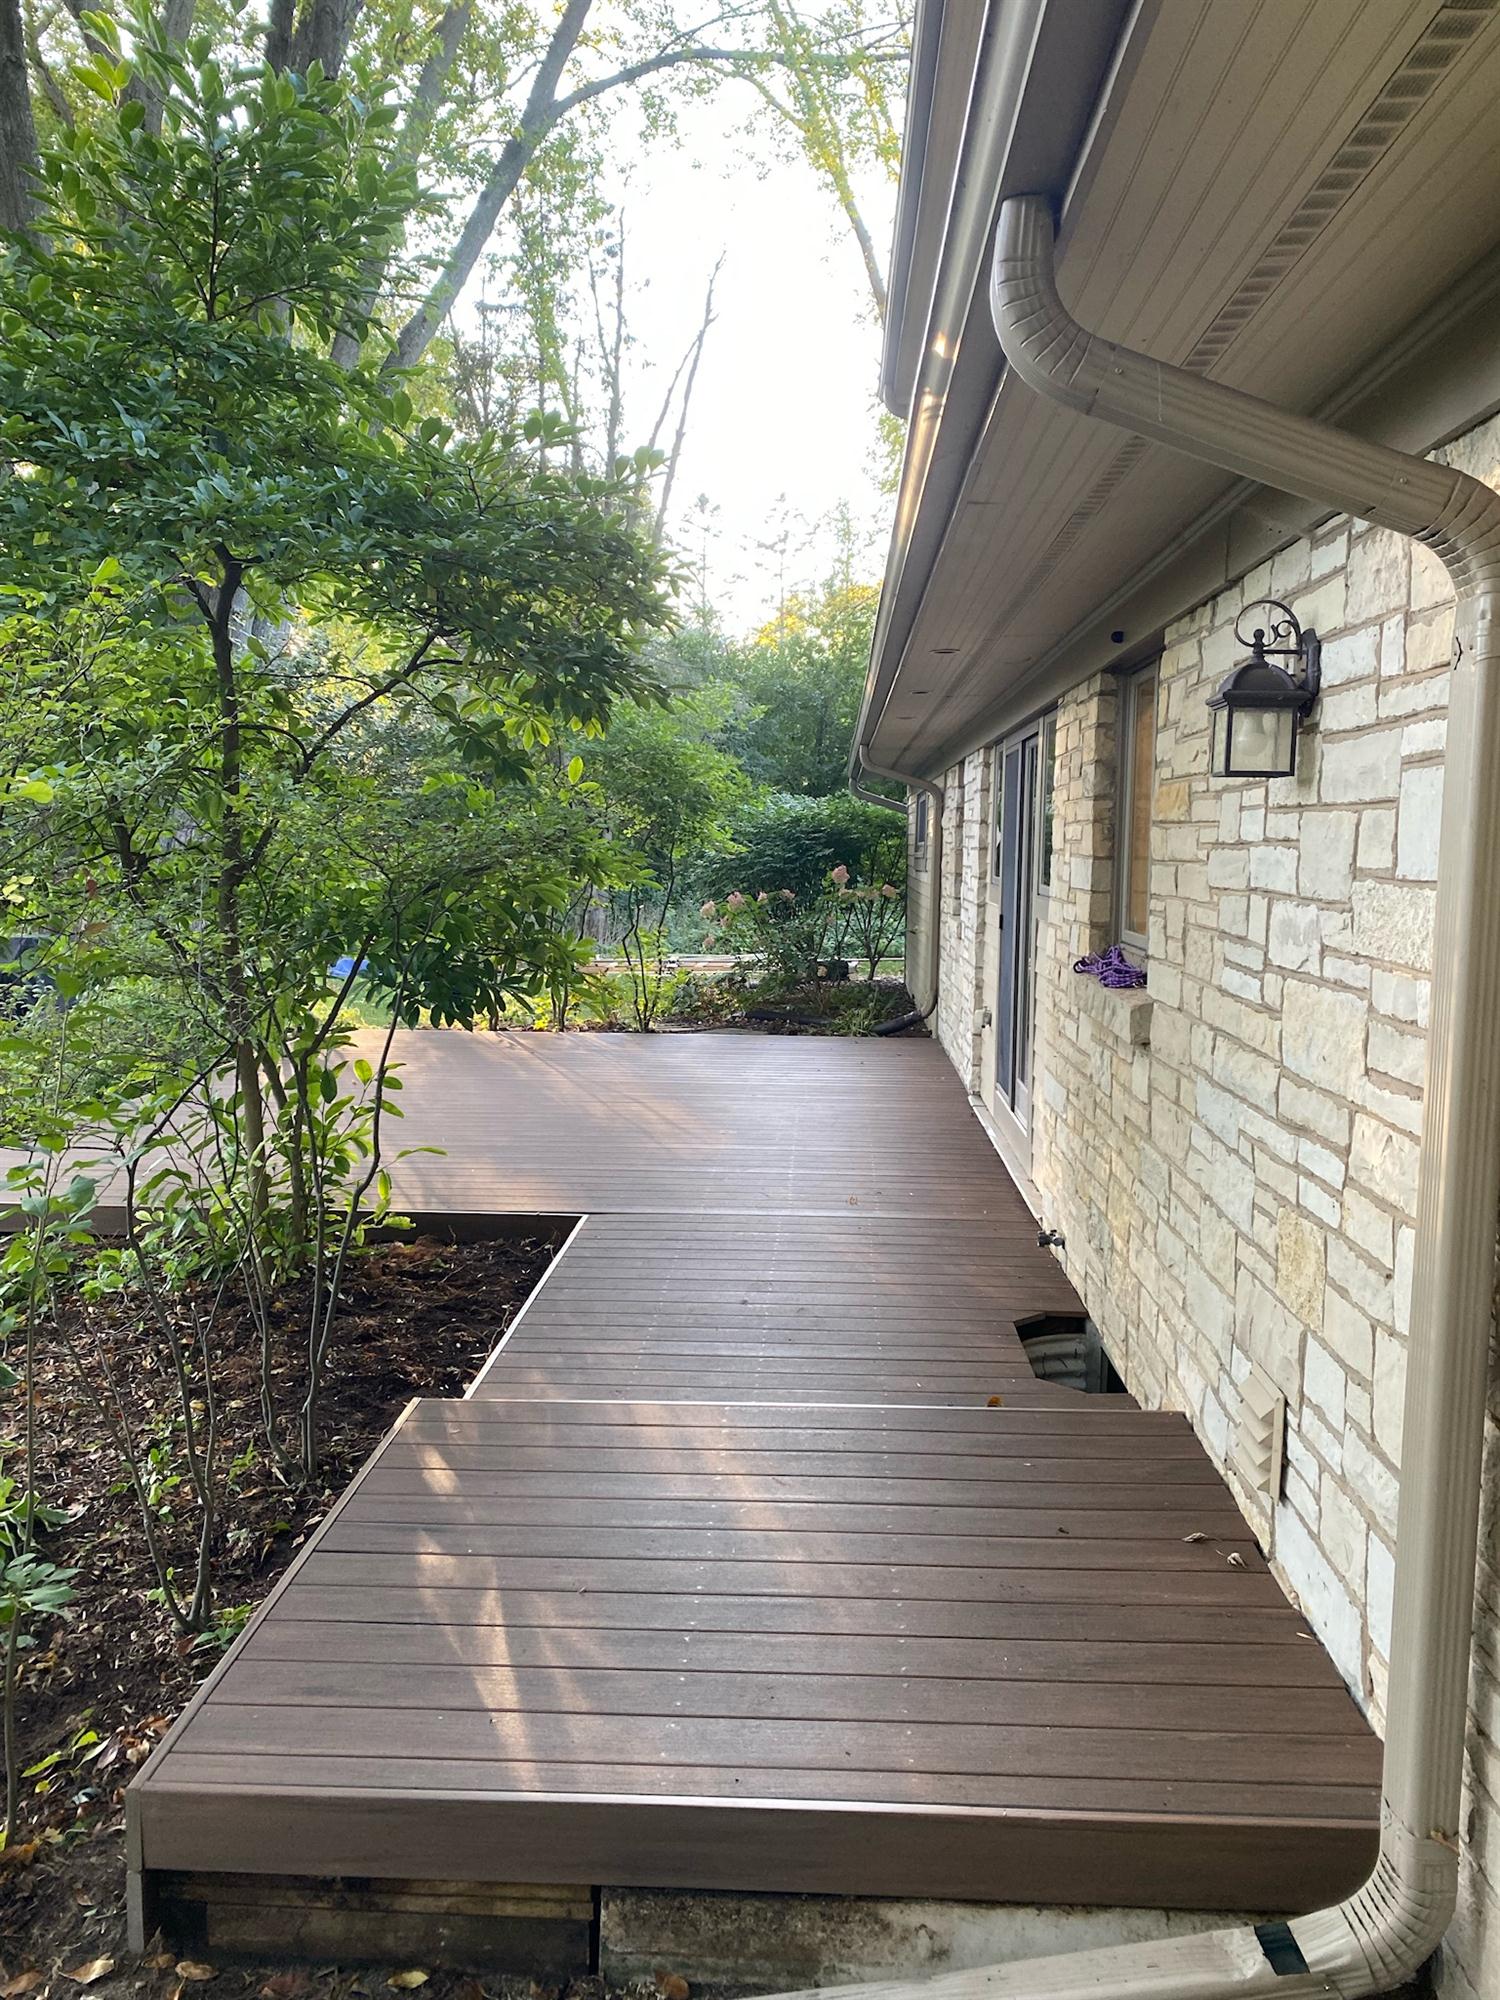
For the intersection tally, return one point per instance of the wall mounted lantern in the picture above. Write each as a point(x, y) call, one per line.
point(1259, 707)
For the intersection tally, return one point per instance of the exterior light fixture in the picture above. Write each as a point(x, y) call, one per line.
point(1259, 707)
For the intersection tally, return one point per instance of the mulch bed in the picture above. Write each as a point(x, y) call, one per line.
point(419, 1320)
point(824, 1007)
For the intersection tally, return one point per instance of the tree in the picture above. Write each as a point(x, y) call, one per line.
point(840, 114)
point(242, 577)
point(17, 127)
point(800, 680)
point(558, 334)
point(484, 94)
point(777, 842)
point(663, 791)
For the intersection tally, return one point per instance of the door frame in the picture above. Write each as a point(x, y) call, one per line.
point(1018, 895)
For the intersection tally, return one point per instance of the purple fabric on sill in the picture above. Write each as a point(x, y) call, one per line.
point(1112, 968)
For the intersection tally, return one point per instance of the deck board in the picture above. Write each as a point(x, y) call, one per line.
point(756, 1556)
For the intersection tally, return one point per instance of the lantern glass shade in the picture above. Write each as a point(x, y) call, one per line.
point(1254, 742)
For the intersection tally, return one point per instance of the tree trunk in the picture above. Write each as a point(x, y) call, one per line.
point(175, 23)
point(687, 397)
point(415, 128)
point(323, 35)
point(279, 27)
point(17, 128)
point(234, 855)
point(541, 114)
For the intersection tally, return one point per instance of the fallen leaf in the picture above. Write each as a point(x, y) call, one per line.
point(285, 1985)
point(192, 1968)
point(159, 1961)
point(672, 1986)
point(995, 1403)
point(1197, 1536)
point(404, 1981)
point(85, 1975)
point(20, 1854)
point(1235, 1558)
point(21, 1982)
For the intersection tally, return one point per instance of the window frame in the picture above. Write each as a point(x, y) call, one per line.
point(921, 822)
point(1131, 687)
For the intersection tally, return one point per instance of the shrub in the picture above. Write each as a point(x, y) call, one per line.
point(782, 842)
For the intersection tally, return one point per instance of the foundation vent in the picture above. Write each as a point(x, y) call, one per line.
point(1261, 1437)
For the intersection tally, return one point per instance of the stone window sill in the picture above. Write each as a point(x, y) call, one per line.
point(1124, 1012)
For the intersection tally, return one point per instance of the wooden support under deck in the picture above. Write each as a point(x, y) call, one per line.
point(757, 1558)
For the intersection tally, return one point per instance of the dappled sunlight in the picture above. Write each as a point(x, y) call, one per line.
point(763, 1503)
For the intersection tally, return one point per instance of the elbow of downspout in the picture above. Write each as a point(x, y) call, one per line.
point(860, 762)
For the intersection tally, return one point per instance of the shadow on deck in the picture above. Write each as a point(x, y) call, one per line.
point(757, 1558)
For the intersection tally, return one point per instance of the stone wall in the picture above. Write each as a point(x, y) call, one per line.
point(1235, 1175)
point(966, 913)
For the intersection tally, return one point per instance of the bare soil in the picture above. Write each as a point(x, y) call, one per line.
point(103, 1685)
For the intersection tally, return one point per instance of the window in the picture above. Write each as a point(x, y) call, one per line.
point(919, 834)
point(1137, 741)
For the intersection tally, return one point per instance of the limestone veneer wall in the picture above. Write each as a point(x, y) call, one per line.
point(1242, 1188)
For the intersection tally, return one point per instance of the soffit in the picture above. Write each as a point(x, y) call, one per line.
point(1270, 193)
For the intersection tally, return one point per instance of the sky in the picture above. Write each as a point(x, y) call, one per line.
point(785, 401)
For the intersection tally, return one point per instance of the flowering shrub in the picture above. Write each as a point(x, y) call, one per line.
point(800, 941)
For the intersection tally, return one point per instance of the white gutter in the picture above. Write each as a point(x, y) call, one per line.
point(926, 37)
point(860, 762)
point(1383, 1933)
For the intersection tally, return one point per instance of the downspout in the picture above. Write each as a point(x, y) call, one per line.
point(860, 762)
point(1390, 1926)
point(1387, 1929)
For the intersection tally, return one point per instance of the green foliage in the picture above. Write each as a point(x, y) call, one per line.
point(43, 1249)
point(22, 1516)
point(781, 842)
point(288, 673)
point(662, 790)
point(31, 1587)
point(285, 656)
point(801, 680)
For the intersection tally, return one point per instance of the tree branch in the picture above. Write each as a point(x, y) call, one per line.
point(687, 397)
point(52, 90)
point(538, 118)
point(418, 123)
point(544, 110)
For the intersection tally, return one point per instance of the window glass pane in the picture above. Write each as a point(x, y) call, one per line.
point(1044, 843)
point(1141, 752)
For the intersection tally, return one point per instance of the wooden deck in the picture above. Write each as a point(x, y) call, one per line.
point(756, 1557)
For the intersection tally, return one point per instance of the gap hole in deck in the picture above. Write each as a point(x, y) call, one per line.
point(1065, 1350)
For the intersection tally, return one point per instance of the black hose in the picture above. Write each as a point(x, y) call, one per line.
point(903, 1021)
